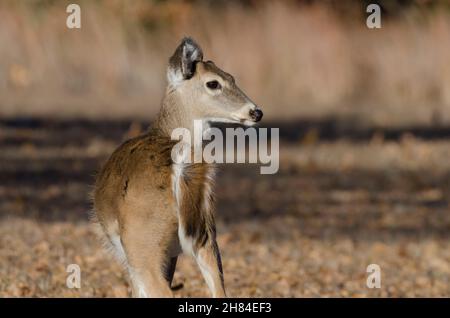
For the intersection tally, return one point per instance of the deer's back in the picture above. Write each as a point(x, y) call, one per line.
point(137, 173)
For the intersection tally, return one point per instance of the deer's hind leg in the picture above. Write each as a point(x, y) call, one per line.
point(210, 264)
point(205, 252)
point(146, 246)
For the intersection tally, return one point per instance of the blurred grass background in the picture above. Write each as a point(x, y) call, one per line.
point(297, 59)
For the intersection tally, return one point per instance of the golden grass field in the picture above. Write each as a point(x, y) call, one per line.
point(295, 61)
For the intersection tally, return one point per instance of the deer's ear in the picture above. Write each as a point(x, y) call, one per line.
point(182, 63)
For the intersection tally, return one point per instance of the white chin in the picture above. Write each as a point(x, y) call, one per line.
point(248, 123)
point(244, 122)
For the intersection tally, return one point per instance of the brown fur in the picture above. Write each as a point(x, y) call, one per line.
point(126, 205)
point(131, 174)
point(144, 219)
point(198, 221)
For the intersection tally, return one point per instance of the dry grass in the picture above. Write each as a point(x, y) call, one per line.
point(259, 261)
point(309, 230)
point(293, 60)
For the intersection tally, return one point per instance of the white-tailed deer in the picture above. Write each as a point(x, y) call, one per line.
point(151, 209)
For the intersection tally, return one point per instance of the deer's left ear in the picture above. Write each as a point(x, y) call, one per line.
point(182, 63)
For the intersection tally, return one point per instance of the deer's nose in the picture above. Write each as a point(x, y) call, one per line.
point(256, 114)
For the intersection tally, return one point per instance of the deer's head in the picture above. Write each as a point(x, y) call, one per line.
point(208, 92)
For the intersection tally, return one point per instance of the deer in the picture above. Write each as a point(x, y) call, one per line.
point(149, 209)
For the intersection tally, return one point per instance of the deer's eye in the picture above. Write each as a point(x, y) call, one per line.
point(213, 85)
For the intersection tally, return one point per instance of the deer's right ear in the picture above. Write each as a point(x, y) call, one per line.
point(182, 63)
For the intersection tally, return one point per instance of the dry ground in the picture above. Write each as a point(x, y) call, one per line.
point(308, 231)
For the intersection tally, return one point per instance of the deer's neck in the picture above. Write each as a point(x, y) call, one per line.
point(173, 114)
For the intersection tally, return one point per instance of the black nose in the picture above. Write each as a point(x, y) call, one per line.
point(256, 114)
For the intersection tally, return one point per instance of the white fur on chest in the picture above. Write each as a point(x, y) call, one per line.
point(178, 173)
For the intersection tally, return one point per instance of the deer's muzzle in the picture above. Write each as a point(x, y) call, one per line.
point(256, 114)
